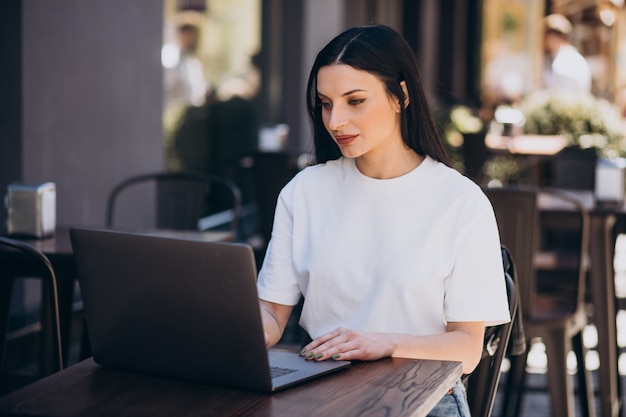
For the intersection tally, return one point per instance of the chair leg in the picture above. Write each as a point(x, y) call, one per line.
point(6, 289)
point(478, 389)
point(46, 338)
point(585, 388)
point(85, 344)
point(620, 386)
point(515, 385)
point(560, 386)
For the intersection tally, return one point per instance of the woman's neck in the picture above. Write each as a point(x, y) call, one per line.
point(389, 165)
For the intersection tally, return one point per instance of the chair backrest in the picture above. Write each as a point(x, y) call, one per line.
point(30, 262)
point(482, 384)
point(518, 222)
point(518, 214)
point(180, 199)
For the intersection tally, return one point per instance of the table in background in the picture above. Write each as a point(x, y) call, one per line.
point(545, 145)
point(603, 219)
point(532, 150)
point(398, 387)
point(58, 248)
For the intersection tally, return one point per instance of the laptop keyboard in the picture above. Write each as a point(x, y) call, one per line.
point(276, 371)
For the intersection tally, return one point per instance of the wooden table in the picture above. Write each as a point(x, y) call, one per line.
point(603, 219)
point(58, 248)
point(388, 387)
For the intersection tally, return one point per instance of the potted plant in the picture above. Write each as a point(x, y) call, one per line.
point(463, 134)
point(587, 121)
point(593, 126)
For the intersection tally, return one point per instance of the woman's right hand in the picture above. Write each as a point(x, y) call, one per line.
point(348, 344)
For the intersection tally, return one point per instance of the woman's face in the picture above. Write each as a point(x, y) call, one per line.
point(357, 111)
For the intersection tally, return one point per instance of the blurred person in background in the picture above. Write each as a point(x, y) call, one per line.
point(184, 81)
point(565, 67)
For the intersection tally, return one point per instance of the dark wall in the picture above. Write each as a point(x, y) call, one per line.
point(11, 102)
point(446, 36)
point(88, 112)
point(292, 71)
point(281, 66)
point(460, 50)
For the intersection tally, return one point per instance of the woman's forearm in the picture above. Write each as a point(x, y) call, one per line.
point(274, 317)
point(462, 344)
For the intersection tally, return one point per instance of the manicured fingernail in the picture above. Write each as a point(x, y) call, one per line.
point(309, 355)
point(303, 351)
point(336, 356)
point(319, 356)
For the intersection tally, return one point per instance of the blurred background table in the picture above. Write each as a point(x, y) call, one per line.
point(531, 152)
point(603, 233)
point(527, 144)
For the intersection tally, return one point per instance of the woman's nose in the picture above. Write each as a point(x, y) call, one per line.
point(337, 118)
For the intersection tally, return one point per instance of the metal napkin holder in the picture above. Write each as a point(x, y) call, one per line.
point(31, 210)
point(610, 180)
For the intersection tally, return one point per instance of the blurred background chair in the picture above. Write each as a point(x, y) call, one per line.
point(482, 384)
point(183, 201)
point(556, 313)
point(19, 260)
point(272, 170)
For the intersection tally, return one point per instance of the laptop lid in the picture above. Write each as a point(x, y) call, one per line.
point(180, 308)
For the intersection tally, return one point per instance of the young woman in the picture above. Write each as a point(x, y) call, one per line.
point(395, 253)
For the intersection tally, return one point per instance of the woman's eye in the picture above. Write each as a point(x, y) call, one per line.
point(356, 101)
point(325, 104)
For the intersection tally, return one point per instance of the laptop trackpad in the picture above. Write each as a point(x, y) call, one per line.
point(293, 368)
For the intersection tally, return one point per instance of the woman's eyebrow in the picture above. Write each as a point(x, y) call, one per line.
point(347, 93)
point(356, 90)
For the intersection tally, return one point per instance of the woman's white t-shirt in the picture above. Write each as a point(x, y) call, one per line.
point(402, 255)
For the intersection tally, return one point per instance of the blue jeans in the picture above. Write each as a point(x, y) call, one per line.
point(453, 404)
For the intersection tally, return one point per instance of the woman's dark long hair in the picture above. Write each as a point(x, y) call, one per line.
point(383, 52)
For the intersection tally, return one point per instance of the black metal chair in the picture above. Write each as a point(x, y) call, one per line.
point(482, 384)
point(20, 260)
point(556, 314)
point(183, 201)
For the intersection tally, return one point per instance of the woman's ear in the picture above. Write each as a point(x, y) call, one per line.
point(406, 93)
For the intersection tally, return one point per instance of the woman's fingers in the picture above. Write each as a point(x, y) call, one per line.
point(348, 344)
point(345, 344)
point(319, 348)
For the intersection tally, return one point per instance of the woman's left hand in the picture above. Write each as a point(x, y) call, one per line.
point(346, 344)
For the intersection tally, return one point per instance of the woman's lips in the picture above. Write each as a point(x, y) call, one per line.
point(343, 140)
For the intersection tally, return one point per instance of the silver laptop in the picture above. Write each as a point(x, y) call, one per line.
point(180, 308)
